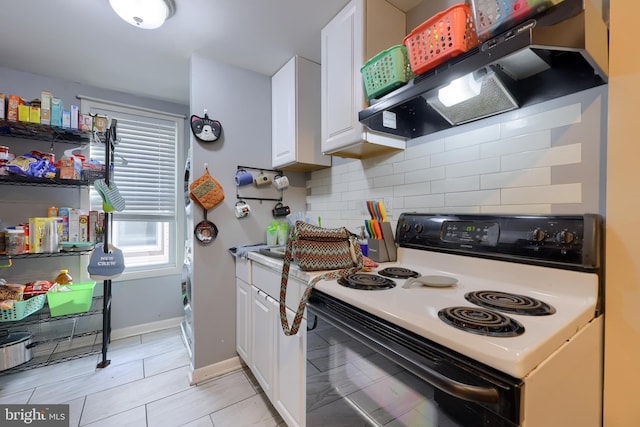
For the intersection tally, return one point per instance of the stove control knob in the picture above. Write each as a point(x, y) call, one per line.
point(538, 235)
point(565, 237)
point(419, 228)
point(405, 227)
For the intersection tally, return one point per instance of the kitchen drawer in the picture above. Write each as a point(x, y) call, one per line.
point(243, 269)
point(268, 280)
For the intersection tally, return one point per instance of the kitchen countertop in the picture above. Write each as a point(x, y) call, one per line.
point(294, 270)
point(276, 264)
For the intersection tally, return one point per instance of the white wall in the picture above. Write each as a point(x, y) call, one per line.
point(546, 158)
point(241, 101)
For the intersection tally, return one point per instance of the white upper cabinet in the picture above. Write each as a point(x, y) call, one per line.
point(295, 106)
point(360, 31)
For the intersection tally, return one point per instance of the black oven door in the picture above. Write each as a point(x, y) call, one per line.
point(363, 371)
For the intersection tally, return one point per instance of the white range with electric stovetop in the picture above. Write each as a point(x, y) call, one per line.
point(484, 320)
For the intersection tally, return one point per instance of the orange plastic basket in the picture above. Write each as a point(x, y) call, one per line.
point(440, 38)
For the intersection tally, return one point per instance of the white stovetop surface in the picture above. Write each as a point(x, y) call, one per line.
point(572, 294)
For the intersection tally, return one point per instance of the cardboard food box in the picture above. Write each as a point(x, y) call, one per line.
point(2, 103)
point(56, 112)
point(66, 119)
point(83, 220)
point(34, 114)
point(67, 169)
point(74, 117)
point(74, 225)
point(63, 213)
point(12, 107)
point(23, 112)
point(85, 122)
point(100, 123)
point(37, 227)
point(45, 107)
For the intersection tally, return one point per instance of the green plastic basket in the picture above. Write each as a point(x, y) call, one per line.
point(386, 71)
point(76, 300)
point(22, 309)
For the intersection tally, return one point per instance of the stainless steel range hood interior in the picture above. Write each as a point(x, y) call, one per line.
point(560, 52)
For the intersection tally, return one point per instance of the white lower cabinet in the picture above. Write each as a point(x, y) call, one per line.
point(277, 361)
point(291, 368)
point(243, 320)
point(263, 313)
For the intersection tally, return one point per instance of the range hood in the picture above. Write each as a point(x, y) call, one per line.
point(562, 51)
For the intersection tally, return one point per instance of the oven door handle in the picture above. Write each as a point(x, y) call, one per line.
point(403, 357)
point(450, 386)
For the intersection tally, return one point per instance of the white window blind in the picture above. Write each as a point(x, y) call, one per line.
point(145, 167)
point(146, 173)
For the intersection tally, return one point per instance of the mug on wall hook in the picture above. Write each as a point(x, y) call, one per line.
point(242, 209)
point(280, 210)
point(262, 180)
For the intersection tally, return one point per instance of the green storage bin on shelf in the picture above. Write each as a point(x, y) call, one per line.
point(76, 300)
point(22, 309)
point(386, 71)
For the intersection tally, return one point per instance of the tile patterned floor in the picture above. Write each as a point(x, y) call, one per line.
point(146, 384)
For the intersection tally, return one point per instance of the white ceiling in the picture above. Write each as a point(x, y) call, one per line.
point(84, 41)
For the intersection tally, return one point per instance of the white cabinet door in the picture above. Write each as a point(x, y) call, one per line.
point(263, 314)
point(283, 111)
point(295, 108)
point(341, 42)
point(360, 31)
point(243, 320)
point(290, 395)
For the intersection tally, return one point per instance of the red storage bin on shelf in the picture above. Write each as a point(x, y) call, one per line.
point(440, 38)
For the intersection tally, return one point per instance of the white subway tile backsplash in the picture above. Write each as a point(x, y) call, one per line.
point(456, 156)
point(389, 180)
point(517, 178)
point(475, 167)
point(474, 137)
point(532, 160)
point(424, 175)
point(473, 198)
point(361, 184)
point(561, 193)
point(413, 164)
point(563, 155)
point(517, 144)
point(468, 183)
point(516, 209)
point(353, 176)
point(415, 189)
point(424, 146)
point(424, 203)
point(379, 170)
point(557, 117)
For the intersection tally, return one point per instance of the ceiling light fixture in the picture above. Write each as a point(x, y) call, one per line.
point(146, 14)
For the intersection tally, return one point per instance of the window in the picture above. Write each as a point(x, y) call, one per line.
point(146, 174)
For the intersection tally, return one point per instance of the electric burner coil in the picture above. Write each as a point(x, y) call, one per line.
point(368, 282)
point(481, 321)
point(510, 303)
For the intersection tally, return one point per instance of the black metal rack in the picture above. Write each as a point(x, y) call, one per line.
point(50, 350)
point(109, 154)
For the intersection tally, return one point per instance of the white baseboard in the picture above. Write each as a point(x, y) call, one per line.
point(146, 328)
point(206, 373)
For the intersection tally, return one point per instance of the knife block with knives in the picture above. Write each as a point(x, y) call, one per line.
point(381, 243)
point(384, 249)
